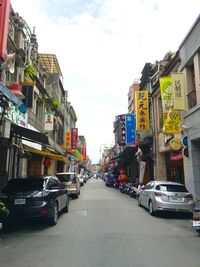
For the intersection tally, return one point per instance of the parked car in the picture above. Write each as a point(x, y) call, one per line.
point(42, 197)
point(111, 178)
point(165, 196)
point(71, 181)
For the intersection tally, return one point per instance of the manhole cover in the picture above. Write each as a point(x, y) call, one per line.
point(81, 212)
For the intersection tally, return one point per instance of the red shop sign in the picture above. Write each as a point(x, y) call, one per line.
point(176, 156)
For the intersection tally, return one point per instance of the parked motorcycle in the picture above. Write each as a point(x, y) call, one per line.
point(116, 183)
point(122, 187)
point(133, 191)
point(128, 188)
point(196, 216)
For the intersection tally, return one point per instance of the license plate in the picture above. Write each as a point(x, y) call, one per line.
point(196, 223)
point(20, 201)
point(176, 199)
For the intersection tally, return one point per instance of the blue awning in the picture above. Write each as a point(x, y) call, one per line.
point(9, 95)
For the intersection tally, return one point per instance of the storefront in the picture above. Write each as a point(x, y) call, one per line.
point(174, 161)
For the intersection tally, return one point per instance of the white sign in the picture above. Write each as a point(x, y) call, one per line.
point(48, 123)
point(16, 116)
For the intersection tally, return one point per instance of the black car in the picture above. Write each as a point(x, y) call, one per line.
point(111, 179)
point(42, 197)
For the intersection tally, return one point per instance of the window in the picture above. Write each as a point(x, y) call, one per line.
point(191, 87)
point(25, 184)
point(53, 183)
point(149, 186)
point(172, 188)
point(27, 91)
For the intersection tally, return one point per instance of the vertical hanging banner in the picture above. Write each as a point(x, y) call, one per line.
point(178, 89)
point(121, 119)
point(74, 138)
point(48, 123)
point(130, 129)
point(68, 139)
point(4, 18)
point(84, 153)
point(171, 117)
point(142, 110)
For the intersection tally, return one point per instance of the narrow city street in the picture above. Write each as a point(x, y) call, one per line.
point(103, 228)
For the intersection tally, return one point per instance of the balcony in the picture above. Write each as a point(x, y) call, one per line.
point(35, 121)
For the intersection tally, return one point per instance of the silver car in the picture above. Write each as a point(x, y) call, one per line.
point(71, 181)
point(165, 196)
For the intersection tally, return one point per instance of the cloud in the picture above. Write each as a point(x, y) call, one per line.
point(102, 47)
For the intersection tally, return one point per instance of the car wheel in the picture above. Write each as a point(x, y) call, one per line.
point(151, 210)
point(66, 208)
point(54, 219)
point(74, 196)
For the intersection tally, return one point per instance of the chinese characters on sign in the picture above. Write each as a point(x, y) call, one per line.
point(74, 138)
point(125, 129)
point(68, 139)
point(122, 130)
point(171, 117)
point(130, 129)
point(84, 153)
point(178, 91)
point(142, 110)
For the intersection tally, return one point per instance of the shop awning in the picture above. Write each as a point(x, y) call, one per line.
point(73, 152)
point(54, 145)
point(5, 91)
point(30, 135)
point(44, 153)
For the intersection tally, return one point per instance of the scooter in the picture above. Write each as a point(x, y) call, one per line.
point(196, 216)
point(133, 191)
point(122, 187)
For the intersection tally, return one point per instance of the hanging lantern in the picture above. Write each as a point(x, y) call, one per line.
point(47, 162)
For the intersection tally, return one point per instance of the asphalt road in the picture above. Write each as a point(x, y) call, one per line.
point(103, 228)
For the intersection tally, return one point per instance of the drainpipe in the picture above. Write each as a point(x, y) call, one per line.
point(153, 126)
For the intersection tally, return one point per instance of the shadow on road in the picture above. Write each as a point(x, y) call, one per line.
point(17, 225)
point(174, 215)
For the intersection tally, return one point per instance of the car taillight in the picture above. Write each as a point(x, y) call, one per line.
point(159, 194)
point(189, 197)
point(74, 181)
point(43, 212)
point(196, 217)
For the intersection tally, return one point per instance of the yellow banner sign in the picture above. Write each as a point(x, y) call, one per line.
point(178, 89)
point(68, 139)
point(171, 117)
point(142, 110)
point(171, 122)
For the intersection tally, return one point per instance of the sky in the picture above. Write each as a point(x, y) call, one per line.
point(102, 47)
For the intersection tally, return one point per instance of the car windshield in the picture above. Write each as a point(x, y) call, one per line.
point(171, 188)
point(66, 177)
point(21, 185)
